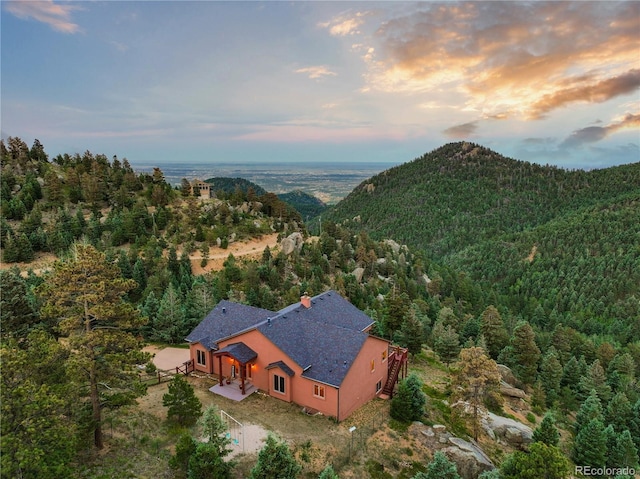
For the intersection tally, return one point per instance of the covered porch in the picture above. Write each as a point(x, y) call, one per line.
point(241, 358)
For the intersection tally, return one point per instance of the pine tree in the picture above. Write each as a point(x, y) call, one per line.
point(526, 353)
point(547, 431)
point(476, 378)
point(618, 412)
point(275, 461)
point(184, 406)
point(86, 295)
point(169, 324)
point(595, 379)
point(185, 448)
point(624, 453)
point(207, 463)
point(542, 461)
point(439, 468)
point(408, 403)
point(551, 376)
point(17, 315)
point(590, 445)
point(590, 409)
point(493, 330)
point(328, 473)
point(446, 342)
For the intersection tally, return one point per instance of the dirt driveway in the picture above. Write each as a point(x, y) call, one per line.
point(168, 359)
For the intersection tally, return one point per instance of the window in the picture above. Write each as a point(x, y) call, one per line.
point(201, 359)
point(373, 365)
point(318, 391)
point(378, 386)
point(384, 355)
point(278, 383)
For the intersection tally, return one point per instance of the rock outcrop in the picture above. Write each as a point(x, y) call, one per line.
point(506, 430)
point(470, 459)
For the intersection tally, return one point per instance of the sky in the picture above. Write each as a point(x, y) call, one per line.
point(303, 81)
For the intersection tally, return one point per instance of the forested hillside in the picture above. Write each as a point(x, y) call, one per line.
point(547, 289)
point(462, 194)
point(554, 246)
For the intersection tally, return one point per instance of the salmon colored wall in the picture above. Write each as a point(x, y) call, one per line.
point(267, 353)
point(208, 367)
point(359, 386)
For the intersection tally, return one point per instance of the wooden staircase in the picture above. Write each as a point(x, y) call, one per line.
point(397, 363)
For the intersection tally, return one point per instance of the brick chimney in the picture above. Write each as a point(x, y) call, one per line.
point(305, 300)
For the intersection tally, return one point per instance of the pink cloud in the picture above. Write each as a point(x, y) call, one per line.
point(57, 16)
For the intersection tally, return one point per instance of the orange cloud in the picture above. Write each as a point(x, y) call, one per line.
point(596, 92)
point(56, 16)
point(511, 58)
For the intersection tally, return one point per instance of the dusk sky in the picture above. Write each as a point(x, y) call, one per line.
point(222, 82)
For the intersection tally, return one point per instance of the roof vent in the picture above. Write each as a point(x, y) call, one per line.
point(224, 310)
point(268, 321)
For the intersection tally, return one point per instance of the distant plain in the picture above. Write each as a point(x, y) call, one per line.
point(329, 182)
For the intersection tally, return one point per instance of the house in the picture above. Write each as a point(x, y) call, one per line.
point(317, 353)
point(201, 189)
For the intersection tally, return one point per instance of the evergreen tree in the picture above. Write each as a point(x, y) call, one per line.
point(446, 342)
point(275, 461)
point(185, 448)
point(595, 379)
point(547, 432)
point(624, 453)
point(184, 406)
point(476, 378)
point(551, 376)
point(634, 424)
point(439, 468)
point(17, 315)
point(619, 412)
point(411, 334)
point(169, 325)
point(38, 437)
point(214, 428)
point(86, 295)
point(590, 409)
point(493, 330)
point(525, 353)
point(542, 461)
point(409, 402)
point(328, 473)
point(590, 445)
point(207, 463)
point(571, 374)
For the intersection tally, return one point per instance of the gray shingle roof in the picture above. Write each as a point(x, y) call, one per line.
point(323, 340)
point(239, 351)
point(225, 320)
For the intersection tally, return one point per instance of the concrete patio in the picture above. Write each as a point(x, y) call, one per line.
point(232, 391)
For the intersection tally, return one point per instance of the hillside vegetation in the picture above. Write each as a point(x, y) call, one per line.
point(555, 245)
point(549, 290)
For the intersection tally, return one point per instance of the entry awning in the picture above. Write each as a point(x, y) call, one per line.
point(238, 351)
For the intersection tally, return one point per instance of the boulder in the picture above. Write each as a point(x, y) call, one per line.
point(469, 458)
point(508, 390)
point(292, 243)
point(507, 375)
point(358, 273)
point(507, 430)
point(395, 247)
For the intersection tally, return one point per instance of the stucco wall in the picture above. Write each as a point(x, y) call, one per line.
point(359, 386)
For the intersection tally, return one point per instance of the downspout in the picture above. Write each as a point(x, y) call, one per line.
point(338, 415)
